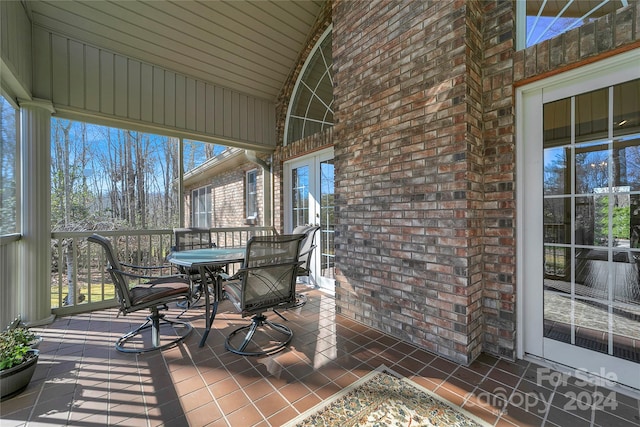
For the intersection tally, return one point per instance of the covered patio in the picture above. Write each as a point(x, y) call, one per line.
point(430, 109)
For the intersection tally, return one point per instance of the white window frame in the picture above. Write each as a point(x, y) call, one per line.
point(251, 194)
point(196, 194)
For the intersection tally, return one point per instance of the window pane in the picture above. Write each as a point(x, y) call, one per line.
point(252, 202)
point(548, 19)
point(626, 108)
point(8, 163)
point(300, 196)
point(311, 104)
point(592, 115)
point(557, 123)
point(626, 163)
point(557, 220)
point(201, 206)
point(592, 168)
point(556, 174)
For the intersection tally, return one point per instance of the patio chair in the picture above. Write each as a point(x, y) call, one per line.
point(266, 281)
point(188, 239)
point(306, 248)
point(306, 253)
point(154, 294)
point(192, 238)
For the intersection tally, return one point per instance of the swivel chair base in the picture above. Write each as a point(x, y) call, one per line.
point(260, 321)
point(154, 322)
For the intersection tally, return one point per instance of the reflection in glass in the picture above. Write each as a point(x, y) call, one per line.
point(626, 163)
point(592, 115)
point(592, 168)
point(592, 222)
point(589, 334)
point(556, 263)
point(327, 221)
point(300, 196)
point(556, 172)
point(557, 123)
point(626, 108)
point(587, 231)
point(634, 224)
point(557, 220)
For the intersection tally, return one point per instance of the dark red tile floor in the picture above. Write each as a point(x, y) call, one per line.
point(81, 380)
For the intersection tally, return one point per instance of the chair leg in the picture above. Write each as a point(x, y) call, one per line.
point(153, 321)
point(259, 320)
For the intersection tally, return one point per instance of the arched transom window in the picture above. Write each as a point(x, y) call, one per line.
point(311, 107)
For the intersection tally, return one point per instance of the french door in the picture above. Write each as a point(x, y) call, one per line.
point(309, 199)
point(579, 242)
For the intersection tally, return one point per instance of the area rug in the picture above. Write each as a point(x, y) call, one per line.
point(385, 398)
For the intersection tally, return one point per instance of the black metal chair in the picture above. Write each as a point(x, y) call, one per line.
point(188, 239)
point(154, 294)
point(266, 281)
point(192, 238)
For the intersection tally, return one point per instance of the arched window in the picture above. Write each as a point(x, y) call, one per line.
point(311, 107)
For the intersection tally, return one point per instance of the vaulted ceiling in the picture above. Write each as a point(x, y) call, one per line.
point(248, 46)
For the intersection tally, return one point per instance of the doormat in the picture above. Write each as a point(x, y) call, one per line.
point(384, 397)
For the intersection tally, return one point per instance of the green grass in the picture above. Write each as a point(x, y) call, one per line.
point(98, 293)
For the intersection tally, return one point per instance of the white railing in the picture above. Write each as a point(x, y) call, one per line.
point(79, 281)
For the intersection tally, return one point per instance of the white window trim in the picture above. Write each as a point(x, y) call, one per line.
point(193, 205)
point(249, 216)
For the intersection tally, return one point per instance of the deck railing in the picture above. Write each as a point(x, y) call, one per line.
point(79, 281)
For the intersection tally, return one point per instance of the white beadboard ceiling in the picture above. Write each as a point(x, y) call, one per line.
point(247, 46)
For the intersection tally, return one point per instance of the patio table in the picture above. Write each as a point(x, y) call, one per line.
point(212, 259)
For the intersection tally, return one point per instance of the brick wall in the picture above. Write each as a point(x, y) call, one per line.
point(499, 174)
point(408, 162)
point(228, 197)
point(425, 161)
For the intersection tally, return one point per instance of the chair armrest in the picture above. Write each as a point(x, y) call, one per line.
point(170, 267)
point(311, 248)
point(149, 277)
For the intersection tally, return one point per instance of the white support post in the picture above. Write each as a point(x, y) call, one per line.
point(35, 245)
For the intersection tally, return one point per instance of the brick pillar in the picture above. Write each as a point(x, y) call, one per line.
point(408, 153)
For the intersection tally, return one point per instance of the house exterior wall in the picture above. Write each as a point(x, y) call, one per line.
point(228, 197)
point(424, 143)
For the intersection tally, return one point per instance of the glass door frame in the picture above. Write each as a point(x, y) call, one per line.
point(314, 161)
point(529, 253)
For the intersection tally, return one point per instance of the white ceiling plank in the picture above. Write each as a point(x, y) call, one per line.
point(136, 38)
point(182, 65)
point(246, 46)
